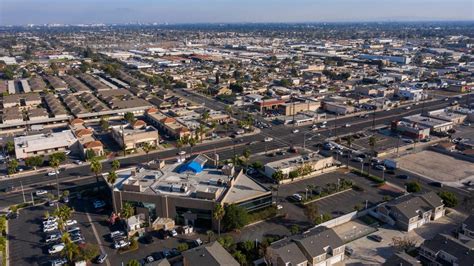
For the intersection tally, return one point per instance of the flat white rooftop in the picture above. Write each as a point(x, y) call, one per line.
point(43, 142)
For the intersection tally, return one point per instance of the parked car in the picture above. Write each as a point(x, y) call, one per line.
point(173, 233)
point(101, 258)
point(50, 229)
point(297, 197)
point(403, 176)
point(267, 139)
point(437, 184)
point(116, 234)
point(71, 222)
point(52, 238)
point(376, 238)
point(357, 159)
point(295, 131)
point(121, 244)
point(59, 262)
point(349, 251)
point(380, 167)
point(99, 204)
point(53, 173)
point(78, 162)
point(41, 192)
point(56, 248)
point(73, 229)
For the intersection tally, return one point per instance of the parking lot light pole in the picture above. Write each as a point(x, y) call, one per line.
point(362, 167)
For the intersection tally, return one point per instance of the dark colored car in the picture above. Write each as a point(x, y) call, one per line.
point(376, 238)
point(148, 239)
point(436, 184)
point(403, 176)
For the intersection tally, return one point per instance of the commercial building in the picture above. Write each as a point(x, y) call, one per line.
point(135, 135)
point(86, 139)
point(411, 130)
point(313, 160)
point(297, 107)
point(434, 124)
point(168, 124)
point(448, 115)
point(41, 144)
point(411, 211)
point(412, 94)
point(187, 192)
point(319, 246)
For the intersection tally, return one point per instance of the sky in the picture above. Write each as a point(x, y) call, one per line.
point(22, 12)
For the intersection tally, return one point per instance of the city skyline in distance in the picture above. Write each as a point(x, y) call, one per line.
point(23, 12)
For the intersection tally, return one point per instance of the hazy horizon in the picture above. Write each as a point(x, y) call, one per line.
point(22, 12)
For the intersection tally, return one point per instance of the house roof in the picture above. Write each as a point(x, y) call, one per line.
point(168, 120)
point(212, 254)
point(401, 259)
point(83, 132)
point(316, 241)
point(289, 253)
point(469, 222)
point(463, 251)
point(77, 121)
point(93, 144)
point(138, 124)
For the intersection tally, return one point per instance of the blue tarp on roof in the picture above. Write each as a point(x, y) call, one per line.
point(191, 166)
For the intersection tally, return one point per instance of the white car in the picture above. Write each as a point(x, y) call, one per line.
point(52, 238)
point(347, 125)
point(41, 192)
point(51, 224)
point(116, 233)
point(50, 219)
point(407, 108)
point(322, 126)
point(121, 244)
point(173, 233)
point(279, 207)
point(181, 153)
point(267, 139)
point(295, 131)
point(53, 173)
point(71, 222)
point(380, 167)
point(78, 162)
point(56, 248)
point(297, 197)
point(50, 229)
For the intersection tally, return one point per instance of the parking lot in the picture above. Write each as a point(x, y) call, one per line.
point(437, 166)
point(27, 240)
point(367, 251)
point(338, 204)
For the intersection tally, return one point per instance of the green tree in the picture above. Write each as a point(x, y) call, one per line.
point(449, 198)
point(192, 142)
point(413, 187)
point(34, 161)
point(210, 235)
point(278, 176)
point(127, 210)
point(218, 214)
point(112, 177)
point(133, 263)
point(236, 217)
point(54, 163)
point(226, 242)
point(246, 153)
point(311, 212)
point(71, 250)
point(129, 117)
point(257, 165)
point(205, 116)
point(182, 247)
point(295, 229)
point(104, 124)
point(115, 165)
point(90, 154)
point(147, 148)
point(12, 166)
point(60, 156)
point(10, 147)
point(240, 257)
point(96, 168)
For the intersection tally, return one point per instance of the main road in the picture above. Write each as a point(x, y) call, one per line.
point(226, 148)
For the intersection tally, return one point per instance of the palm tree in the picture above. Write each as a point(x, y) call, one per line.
point(201, 132)
point(147, 148)
point(210, 235)
point(228, 110)
point(372, 143)
point(115, 165)
point(127, 210)
point(192, 143)
point(71, 250)
point(218, 213)
point(205, 116)
point(96, 168)
point(278, 176)
point(54, 163)
point(112, 177)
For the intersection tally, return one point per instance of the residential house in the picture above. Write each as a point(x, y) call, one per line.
point(212, 254)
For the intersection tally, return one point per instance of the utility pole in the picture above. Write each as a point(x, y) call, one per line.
point(22, 192)
point(373, 119)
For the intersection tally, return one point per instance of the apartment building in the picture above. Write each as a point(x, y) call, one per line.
point(135, 135)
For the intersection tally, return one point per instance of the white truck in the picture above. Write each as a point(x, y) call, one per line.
point(390, 164)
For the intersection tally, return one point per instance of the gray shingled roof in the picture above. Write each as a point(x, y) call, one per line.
point(209, 255)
